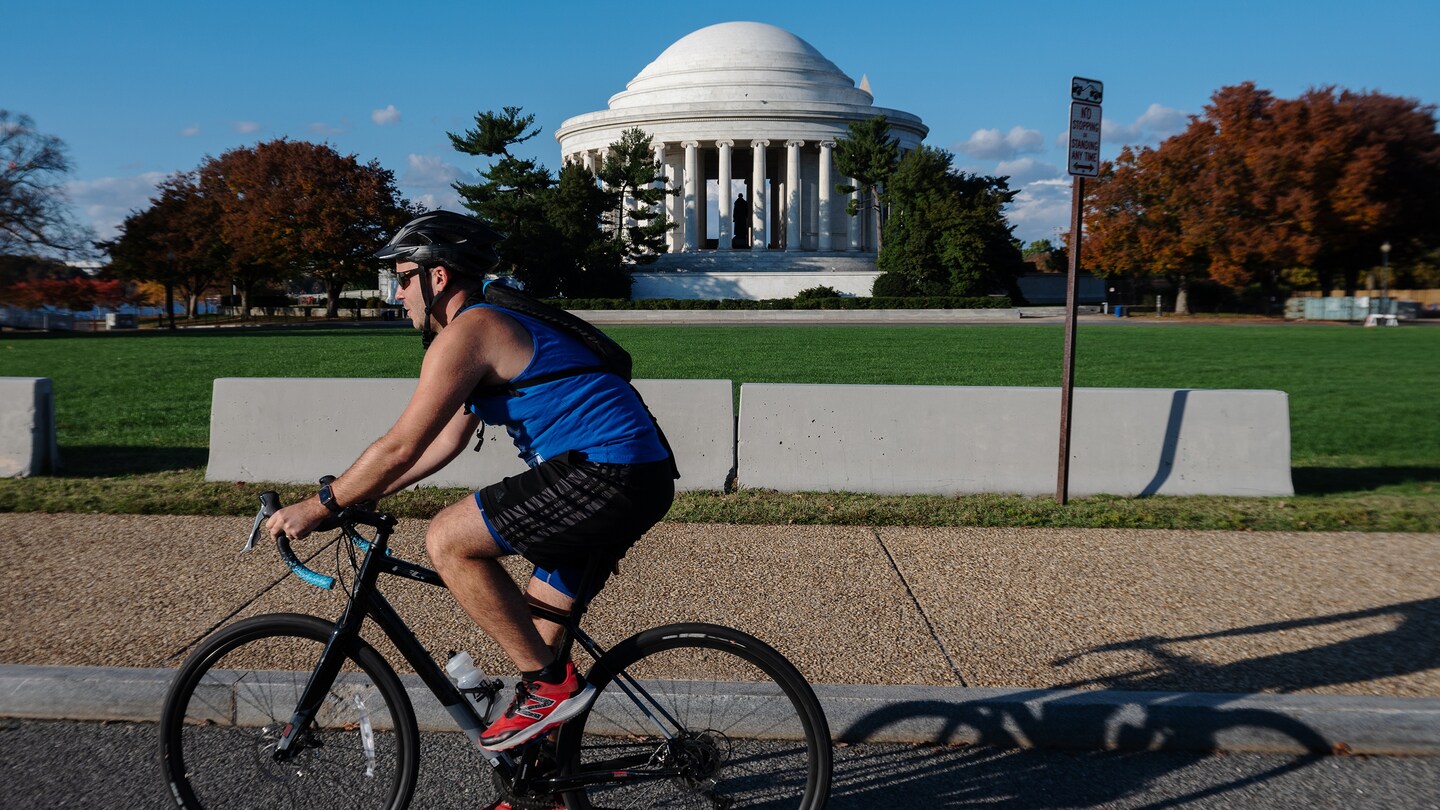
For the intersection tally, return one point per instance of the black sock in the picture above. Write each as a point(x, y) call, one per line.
point(553, 672)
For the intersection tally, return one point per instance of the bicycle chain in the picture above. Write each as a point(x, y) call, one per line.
point(518, 802)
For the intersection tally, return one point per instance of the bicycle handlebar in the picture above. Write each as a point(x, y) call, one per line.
point(350, 517)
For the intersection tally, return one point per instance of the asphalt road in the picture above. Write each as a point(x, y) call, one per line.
point(55, 764)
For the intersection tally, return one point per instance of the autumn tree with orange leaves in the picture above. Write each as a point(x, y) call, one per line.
point(1256, 185)
point(175, 243)
point(263, 214)
point(290, 209)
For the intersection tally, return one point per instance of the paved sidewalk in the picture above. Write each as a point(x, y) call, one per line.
point(1019, 636)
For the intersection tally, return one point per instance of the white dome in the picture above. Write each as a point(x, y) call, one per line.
point(740, 62)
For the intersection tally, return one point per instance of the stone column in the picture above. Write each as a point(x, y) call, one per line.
point(759, 216)
point(692, 174)
point(826, 243)
point(855, 221)
point(588, 159)
point(792, 194)
point(727, 224)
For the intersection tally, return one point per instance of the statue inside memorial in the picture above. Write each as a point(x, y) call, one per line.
point(741, 218)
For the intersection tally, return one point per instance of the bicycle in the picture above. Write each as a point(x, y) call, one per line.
point(291, 710)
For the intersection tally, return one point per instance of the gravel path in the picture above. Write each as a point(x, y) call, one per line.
point(1173, 610)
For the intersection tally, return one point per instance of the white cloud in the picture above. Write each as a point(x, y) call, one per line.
point(1040, 208)
point(190, 131)
point(246, 127)
point(427, 179)
point(1025, 170)
point(991, 144)
point(107, 201)
point(1157, 123)
point(428, 171)
point(450, 201)
point(389, 115)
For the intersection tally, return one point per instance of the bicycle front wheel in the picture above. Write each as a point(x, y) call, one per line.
point(697, 715)
point(232, 700)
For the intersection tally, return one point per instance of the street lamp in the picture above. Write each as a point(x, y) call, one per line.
point(1384, 274)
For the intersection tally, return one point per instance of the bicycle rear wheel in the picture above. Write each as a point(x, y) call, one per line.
point(233, 698)
point(697, 715)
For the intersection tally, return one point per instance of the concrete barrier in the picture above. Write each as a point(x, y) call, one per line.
point(297, 429)
point(27, 427)
point(951, 440)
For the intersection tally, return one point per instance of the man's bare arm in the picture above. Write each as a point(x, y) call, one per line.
point(453, 439)
point(480, 348)
point(483, 347)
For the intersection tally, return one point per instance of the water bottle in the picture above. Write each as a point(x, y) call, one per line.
point(470, 680)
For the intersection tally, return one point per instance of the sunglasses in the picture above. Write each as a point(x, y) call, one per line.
point(404, 276)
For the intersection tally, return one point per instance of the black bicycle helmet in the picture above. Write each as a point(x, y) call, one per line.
point(462, 244)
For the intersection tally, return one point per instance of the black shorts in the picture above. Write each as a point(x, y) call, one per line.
point(567, 509)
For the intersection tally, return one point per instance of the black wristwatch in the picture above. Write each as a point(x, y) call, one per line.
point(328, 498)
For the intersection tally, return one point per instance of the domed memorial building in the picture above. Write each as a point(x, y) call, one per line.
point(744, 118)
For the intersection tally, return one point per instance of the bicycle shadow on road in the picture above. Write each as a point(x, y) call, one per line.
point(1113, 746)
point(1409, 644)
point(943, 776)
point(1112, 751)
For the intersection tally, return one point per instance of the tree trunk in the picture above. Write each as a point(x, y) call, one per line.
point(245, 302)
point(879, 224)
point(192, 302)
point(1182, 297)
point(170, 302)
point(333, 287)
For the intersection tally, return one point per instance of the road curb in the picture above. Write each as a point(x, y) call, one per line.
point(1027, 718)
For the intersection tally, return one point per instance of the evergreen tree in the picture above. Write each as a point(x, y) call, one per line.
point(636, 220)
point(947, 234)
point(587, 264)
point(566, 236)
point(514, 197)
point(868, 155)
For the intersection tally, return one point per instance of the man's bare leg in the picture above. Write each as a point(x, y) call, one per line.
point(546, 594)
point(465, 555)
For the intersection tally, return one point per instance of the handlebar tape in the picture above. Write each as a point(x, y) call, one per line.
point(270, 503)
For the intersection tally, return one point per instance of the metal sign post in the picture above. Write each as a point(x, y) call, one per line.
point(1086, 96)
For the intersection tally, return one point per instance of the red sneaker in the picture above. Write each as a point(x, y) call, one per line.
point(537, 708)
point(504, 805)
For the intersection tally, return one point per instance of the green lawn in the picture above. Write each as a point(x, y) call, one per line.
point(1362, 419)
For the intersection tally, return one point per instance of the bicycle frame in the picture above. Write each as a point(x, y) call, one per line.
point(366, 600)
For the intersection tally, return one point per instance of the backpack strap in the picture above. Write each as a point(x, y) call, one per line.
point(513, 388)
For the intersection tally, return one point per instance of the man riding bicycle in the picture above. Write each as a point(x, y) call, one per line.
point(600, 474)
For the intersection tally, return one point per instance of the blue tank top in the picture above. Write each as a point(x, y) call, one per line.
point(597, 413)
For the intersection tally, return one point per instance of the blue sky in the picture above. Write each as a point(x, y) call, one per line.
point(143, 89)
